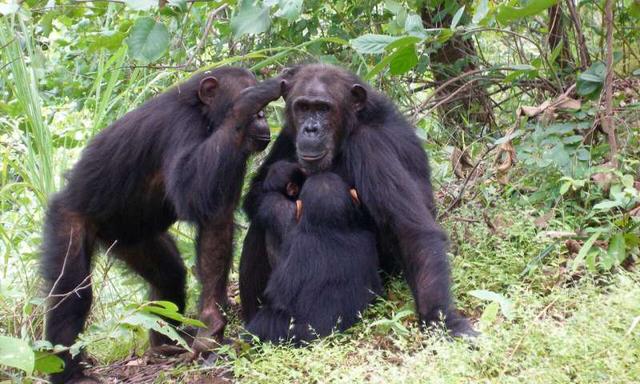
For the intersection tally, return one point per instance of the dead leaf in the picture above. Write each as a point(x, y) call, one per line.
point(543, 221)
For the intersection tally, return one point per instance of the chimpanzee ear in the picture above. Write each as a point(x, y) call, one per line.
point(207, 89)
point(359, 95)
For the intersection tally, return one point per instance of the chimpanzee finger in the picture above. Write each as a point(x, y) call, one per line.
point(253, 99)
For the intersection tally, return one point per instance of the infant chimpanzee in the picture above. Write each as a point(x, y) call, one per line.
point(327, 268)
point(278, 210)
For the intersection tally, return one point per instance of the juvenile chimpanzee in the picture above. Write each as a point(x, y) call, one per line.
point(335, 122)
point(328, 271)
point(278, 209)
point(181, 155)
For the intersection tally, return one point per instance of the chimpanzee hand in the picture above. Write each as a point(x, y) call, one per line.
point(253, 99)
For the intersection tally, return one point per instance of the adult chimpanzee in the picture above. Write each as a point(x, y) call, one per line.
point(335, 122)
point(328, 270)
point(181, 155)
point(277, 213)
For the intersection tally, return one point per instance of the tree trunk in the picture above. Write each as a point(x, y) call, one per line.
point(607, 119)
point(455, 57)
point(557, 35)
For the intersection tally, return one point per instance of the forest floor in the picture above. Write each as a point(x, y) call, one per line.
point(544, 323)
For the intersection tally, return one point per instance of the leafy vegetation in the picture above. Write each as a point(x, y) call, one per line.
point(530, 112)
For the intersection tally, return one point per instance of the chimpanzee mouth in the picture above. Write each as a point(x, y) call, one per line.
point(312, 157)
point(266, 138)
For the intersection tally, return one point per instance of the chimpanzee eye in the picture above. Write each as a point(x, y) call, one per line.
point(303, 107)
point(323, 108)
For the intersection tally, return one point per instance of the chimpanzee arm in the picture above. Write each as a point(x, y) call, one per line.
point(393, 198)
point(205, 177)
point(283, 149)
point(277, 213)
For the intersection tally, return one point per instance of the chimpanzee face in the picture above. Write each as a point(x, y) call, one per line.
point(218, 89)
point(319, 106)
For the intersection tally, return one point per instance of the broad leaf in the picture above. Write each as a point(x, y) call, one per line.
point(47, 362)
point(289, 9)
point(152, 322)
point(372, 44)
point(591, 80)
point(457, 17)
point(506, 13)
point(403, 60)
point(148, 40)
point(482, 9)
point(250, 19)
point(413, 26)
point(506, 306)
point(586, 247)
point(16, 353)
point(141, 5)
point(617, 248)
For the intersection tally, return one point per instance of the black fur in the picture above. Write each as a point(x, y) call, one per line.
point(181, 155)
point(328, 271)
point(376, 151)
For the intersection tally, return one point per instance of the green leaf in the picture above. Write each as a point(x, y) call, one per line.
point(490, 314)
point(591, 80)
point(482, 9)
point(16, 353)
point(47, 362)
point(586, 247)
point(413, 26)
point(152, 322)
point(170, 311)
point(617, 248)
point(564, 188)
point(457, 17)
point(606, 204)
point(289, 9)
point(506, 306)
point(522, 67)
point(403, 60)
point(372, 44)
point(250, 19)
point(506, 13)
point(403, 42)
point(9, 8)
point(148, 40)
point(141, 5)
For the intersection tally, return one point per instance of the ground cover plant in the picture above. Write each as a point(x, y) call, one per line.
point(530, 112)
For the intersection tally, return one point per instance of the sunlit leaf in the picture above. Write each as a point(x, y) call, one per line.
point(506, 13)
point(457, 17)
point(617, 248)
point(250, 19)
point(289, 9)
point(148, 40)
point(141, 5)
point(16, 353)
point(372, 44)
point(403, 60)
point(47, 362)
point(506, 306)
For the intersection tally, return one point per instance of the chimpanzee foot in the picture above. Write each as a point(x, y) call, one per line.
point(83, 379)
point(460, 326)
point(167, 350)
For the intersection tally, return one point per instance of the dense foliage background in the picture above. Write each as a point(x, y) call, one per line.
point(530, 112)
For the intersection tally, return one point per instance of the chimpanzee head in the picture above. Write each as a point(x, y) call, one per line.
point(327, 202)
point(322, 104)
point(216, 91)
point(284, 177)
